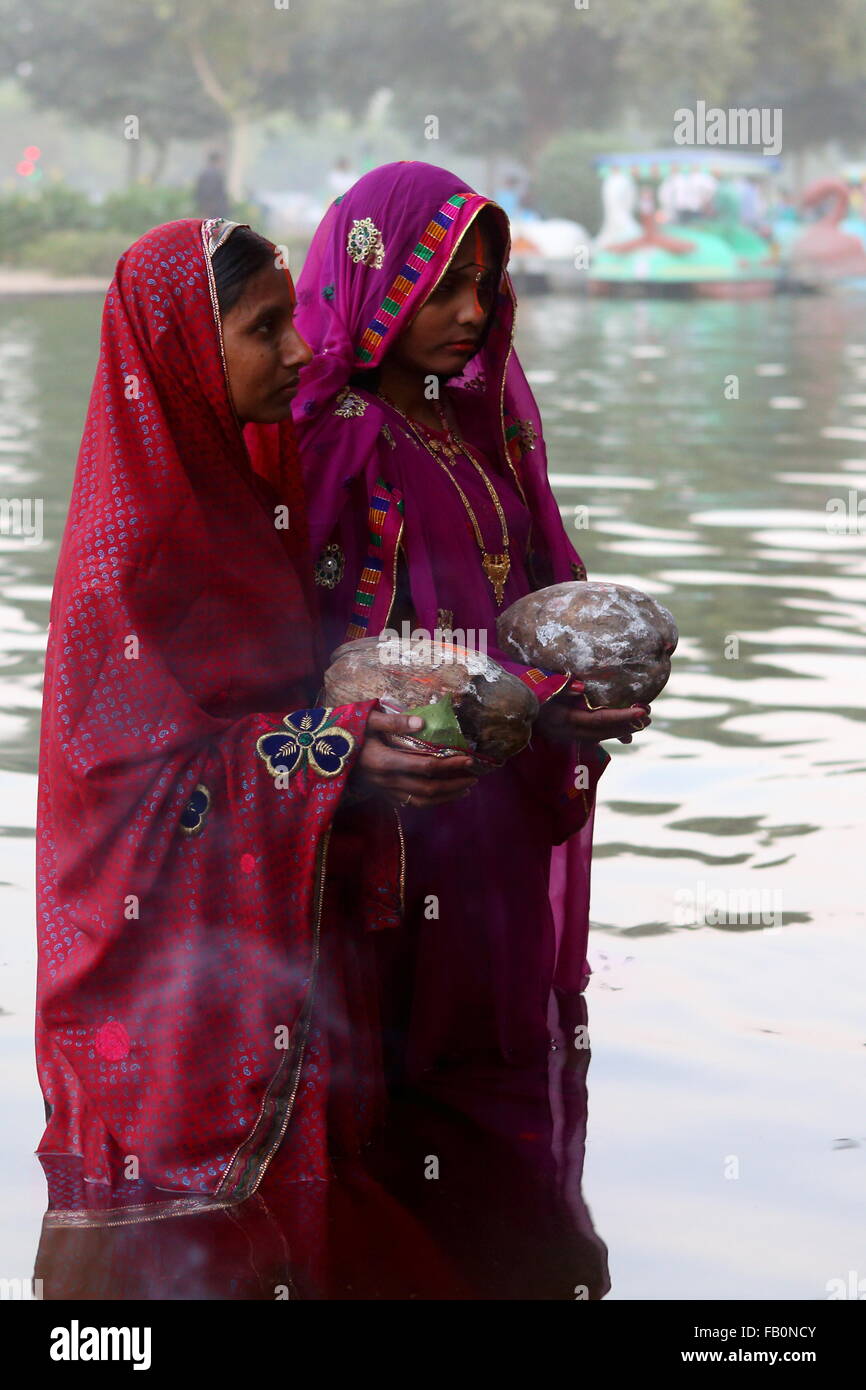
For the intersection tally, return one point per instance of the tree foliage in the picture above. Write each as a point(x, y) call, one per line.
point(501, 76)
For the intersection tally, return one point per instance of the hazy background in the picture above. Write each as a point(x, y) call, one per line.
point(533, 88)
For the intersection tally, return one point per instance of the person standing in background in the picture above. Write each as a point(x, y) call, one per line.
point(211, 194)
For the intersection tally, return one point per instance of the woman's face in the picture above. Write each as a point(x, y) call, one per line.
point(264, 351)
point(447, 330)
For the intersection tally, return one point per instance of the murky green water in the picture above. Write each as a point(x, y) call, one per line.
point(726, 1151)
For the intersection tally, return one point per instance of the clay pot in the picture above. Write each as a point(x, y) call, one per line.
point(615, 639)
point(494, 709)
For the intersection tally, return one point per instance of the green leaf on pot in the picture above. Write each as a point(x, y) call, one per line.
point(440, 724)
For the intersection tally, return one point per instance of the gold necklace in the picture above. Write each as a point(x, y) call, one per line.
point(495, 565)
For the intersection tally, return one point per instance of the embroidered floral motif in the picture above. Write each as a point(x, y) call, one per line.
point(388, 436)
point(365, 244)
point(311, 738)
point(475, 383)
point(348, 404)
point(330, 565)
point(328, 292)
point(195, 812)
point(578, 569)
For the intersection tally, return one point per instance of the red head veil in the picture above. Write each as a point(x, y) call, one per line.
point(180, 872)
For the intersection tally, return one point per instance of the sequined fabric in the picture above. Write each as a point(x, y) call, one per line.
point(179, 883)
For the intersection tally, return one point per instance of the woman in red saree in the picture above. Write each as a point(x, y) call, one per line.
point(199, 1026)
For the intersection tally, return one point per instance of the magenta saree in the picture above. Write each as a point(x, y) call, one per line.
point(497, 886)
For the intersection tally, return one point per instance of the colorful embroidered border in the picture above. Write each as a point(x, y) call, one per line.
point(543, 684)
point(386, 525)
point(408, 277)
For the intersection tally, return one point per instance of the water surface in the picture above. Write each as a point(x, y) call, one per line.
point(726, 1148)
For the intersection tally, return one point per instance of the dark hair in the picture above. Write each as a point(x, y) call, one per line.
point(490, 221)
point(243, 255)
point(366, 379)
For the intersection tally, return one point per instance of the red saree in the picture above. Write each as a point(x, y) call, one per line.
point(181, 875)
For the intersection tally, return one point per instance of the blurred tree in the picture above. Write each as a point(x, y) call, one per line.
point(184, 68)
point(254, 59)
point(502, 77)
point(796, 48)
point(671, 53)
point(775, 53)
point(102, 63)
point(814, 68)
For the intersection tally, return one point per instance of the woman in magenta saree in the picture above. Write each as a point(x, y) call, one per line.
point(441, 513)
point(201, 1014)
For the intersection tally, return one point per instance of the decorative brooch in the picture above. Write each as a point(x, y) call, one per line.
point(311, 738)
point(195, 812)
point(528, 436)
point(445, 619)
point(365, 244)
point(328, 569)
point(349, 405)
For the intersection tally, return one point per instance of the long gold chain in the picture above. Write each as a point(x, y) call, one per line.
point(495, 566)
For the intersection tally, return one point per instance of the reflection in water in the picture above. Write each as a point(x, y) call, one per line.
point(473, 1191)
point(750, 780)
